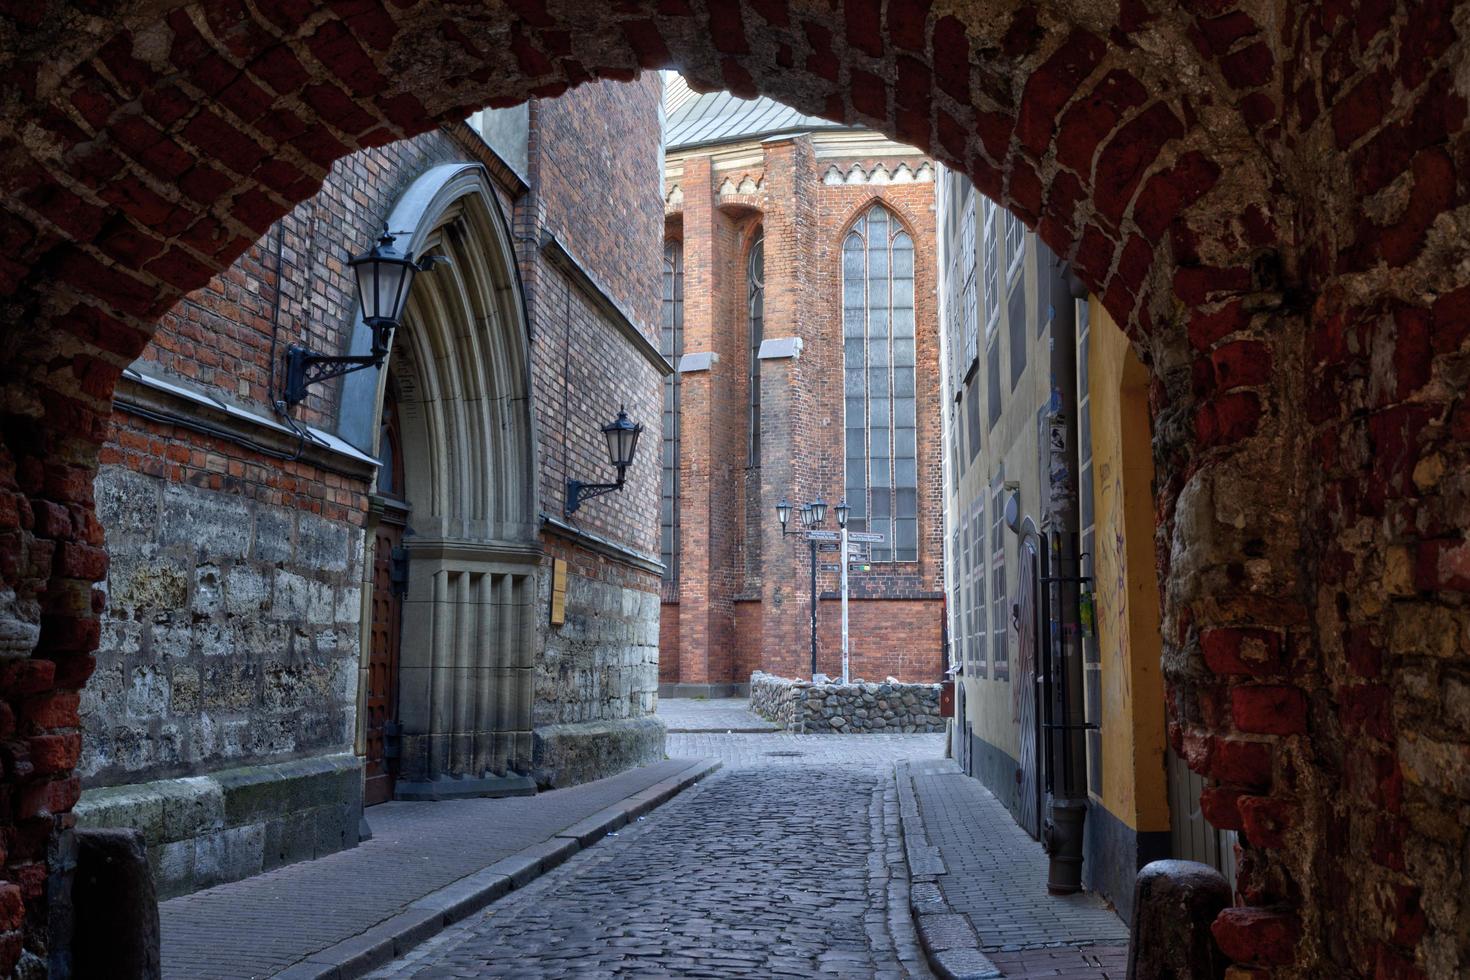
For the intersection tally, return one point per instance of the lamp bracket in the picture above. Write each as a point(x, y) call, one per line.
point(577, 491)
point(305, 368)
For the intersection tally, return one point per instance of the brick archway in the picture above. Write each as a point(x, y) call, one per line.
point(1267, 196)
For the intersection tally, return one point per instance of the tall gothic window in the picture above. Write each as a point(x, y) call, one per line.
point(671, 346)
point(755, 295)
point(878, 356)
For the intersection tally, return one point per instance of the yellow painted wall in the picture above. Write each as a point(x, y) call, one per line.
point(1129, 642)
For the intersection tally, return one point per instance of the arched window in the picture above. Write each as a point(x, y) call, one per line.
point(671, 346)
point(755, 294)
point(878, 356)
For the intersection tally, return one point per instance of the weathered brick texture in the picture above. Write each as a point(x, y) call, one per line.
point(742, 599)
point(1289, 176)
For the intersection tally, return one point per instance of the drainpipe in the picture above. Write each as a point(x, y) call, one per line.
point(1067, 746)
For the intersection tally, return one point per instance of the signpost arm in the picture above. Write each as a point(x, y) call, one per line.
point(844, 604)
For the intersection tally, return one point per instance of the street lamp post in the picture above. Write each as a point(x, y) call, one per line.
point(812, 517)
point(842, 512)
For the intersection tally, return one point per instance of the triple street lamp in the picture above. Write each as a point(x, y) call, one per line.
point(813, 516)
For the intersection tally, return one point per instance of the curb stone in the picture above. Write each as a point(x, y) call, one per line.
point(949, 940)
point(429, 915)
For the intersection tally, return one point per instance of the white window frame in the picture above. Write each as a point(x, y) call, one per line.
point(990, 260)
point(1015, 234)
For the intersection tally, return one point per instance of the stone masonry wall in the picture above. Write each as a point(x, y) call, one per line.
point(858, 708)
point(230, 634)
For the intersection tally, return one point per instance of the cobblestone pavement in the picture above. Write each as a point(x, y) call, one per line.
point(261, 925)
point(712, 715)
point(786, 863)
point(996, 876)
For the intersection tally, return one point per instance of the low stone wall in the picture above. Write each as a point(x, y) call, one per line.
point(207, 830)
point(857, 708)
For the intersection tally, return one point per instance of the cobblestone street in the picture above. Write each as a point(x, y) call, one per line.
point(787, 863)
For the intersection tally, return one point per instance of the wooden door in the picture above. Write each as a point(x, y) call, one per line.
point(380, 710)
point(1026, 694)
point(382, 679)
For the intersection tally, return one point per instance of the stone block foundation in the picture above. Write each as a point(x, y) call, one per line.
point(207, 830)
point(849, 709)
point(577, 752)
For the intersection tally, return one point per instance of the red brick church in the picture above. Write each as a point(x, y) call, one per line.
point(800, 314)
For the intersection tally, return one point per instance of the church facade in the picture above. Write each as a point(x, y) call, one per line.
point(799, 310)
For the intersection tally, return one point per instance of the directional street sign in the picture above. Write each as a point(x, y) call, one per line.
point(858, 566)
point(831, 568)
point(823, 536)
point(871, 537)
point(826, 546)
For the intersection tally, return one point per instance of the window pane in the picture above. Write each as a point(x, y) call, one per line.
point(878, 268)
point(906, 538)
point(881, 504)
point(878, 323)
point(903, 383)
point(878, 225)
point(903, 323)
point(903, 443)
point(903, 255)
point(878, 412)
point(903, 353)
point(903, 293)
point(903, 411)
point(908, 502)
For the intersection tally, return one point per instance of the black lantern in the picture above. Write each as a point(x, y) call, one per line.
point(622, 441)
point(819, 512)
point(806, 515)
point(384, 276)
point(783, 513)
point(842, 511)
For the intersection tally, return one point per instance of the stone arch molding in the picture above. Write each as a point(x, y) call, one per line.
point(1260, 193)
point(460, 370)
point(462, 366)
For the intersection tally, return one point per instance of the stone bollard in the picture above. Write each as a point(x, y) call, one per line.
point(1174, 903)
point(115, 909)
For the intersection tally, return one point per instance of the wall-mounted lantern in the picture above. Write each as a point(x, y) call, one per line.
point(622, 441)
point(384, 277)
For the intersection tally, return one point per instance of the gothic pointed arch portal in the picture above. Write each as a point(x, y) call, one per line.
point(457, 383)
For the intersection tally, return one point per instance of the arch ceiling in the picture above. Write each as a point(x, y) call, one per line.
point(1268, 195)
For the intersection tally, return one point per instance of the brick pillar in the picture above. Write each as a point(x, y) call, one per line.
point(697, 425)
point(792, 460)
point(51, 557)
point(1240, 652)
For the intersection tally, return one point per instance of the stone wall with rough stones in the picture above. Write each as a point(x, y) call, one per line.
point(858, 708)
point(596, 679)
point(230, 635)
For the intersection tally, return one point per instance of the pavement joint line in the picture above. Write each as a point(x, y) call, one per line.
point(940, 927)
point(432, 913)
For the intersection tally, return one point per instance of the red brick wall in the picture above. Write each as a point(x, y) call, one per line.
point(731, 547)
point(886, 637)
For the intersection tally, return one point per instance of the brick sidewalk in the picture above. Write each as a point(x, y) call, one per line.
point(263, 925)
point(994, 875)
point(713, 715)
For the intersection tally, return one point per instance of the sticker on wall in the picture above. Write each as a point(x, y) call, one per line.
point(558, 592)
